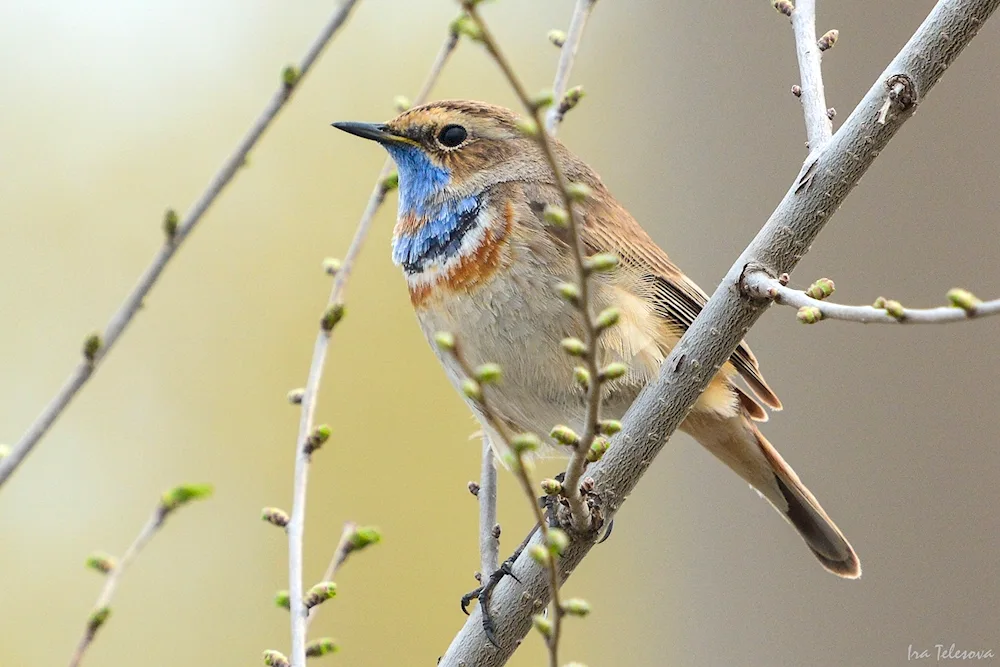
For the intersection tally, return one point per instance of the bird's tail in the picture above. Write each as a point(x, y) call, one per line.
point(737, 443)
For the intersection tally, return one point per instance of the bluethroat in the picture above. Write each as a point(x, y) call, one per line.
point(481, 262)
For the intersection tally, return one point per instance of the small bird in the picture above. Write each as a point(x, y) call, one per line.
point(481, 262)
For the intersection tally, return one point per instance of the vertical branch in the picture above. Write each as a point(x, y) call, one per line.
point(489, 541)
point(333, 314)
point(176, 231)
point(567, 57)
point(819, 129)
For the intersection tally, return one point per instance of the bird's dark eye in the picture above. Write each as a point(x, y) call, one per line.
point(452, 135)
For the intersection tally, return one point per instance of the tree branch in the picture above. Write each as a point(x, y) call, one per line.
point(807, 206)
point(332, 315)
point(567, 56)
point(176, 233)
point(818, 125)
point(169, 502)
point(964, 306)
point(489, 542)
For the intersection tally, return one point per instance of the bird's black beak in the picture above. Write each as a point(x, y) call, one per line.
point(374, 131)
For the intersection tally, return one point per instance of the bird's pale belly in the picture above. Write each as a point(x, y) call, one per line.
point(518, 323)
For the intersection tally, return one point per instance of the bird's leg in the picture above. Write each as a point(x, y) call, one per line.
point(483, 592)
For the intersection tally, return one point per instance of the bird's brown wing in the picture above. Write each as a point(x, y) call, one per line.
point(608, 227)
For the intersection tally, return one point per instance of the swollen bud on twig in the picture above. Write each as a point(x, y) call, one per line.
point(543, 625)
point(331, 265)
point(784, 7)
point(569, 292)
point(319, 594)
point(182, 495)
point(576, 607)
point(401, 103)
point(598, 448)
point(282, 599)
point(472, 390)
point(894, 309)
point(609, 426)
point(445, 341)
point(474, 488)
point(551, 487)
point(573, 347)
point(613, 371)
point(295, 396)
point(582, 376)
point(525, 442)
point(316, 439)
point(809, 315)
point(571, 99)
point(92, 344)
point(101, 562)
point(539, 554)
point(331, 316)
point(488, 373)
point(797, 90)
point(320, 647)
point(274, 658)
point(607, 318)
point(821, 289)
point(828, 40)
point(363, 536)
point(601, 263)
point(557, 37)
point(557, 541)
point(391, 181)
point(290, 76)
point(555, 215)
point(465, 25)
point(527, 126)
point(579, 191)
point(963, 299)
point(170, 222)
point(275, 516)
point(543, 100)
point(564, 435)
point(97, 618)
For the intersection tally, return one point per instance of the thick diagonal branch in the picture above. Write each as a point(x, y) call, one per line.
point(782, 242)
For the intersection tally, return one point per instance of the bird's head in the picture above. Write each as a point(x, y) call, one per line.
point(452, 149)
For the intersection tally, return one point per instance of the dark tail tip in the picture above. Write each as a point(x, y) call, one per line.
point(822, 537)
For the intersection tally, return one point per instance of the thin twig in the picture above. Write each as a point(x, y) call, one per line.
point(567, 57)
point(296, 524)
point(580, 515)
point(723, 323)
point(521, 469)
point(489, 542)
point(170, 502)
point(350, 541)
point(760, 285)
point(133, 302)
point(818, 126)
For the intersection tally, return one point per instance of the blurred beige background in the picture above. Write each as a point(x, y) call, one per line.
point(112, 111)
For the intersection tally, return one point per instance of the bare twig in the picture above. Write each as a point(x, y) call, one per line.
point(169, 502)
point(176, 233)
point(489, 546)
point(517, 446)
point(964, 306)
point(352, 539)
point(818, 125)
point(782, 242)
point(334, 311)
point(579, 515)
point(489, 542)
point(567, 57)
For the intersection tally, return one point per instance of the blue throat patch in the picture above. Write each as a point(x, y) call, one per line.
point(445, 224)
